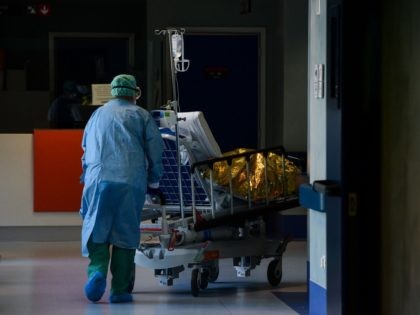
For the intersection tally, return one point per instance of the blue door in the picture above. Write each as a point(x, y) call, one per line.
point(223, 83)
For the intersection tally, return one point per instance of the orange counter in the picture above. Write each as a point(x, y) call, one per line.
point(57, 169)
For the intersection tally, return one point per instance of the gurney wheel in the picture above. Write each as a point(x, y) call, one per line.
point(195, 285)
point(204, 280)
point(212, 268)
point(274, 272)
point(199, 281)
point(213, 274)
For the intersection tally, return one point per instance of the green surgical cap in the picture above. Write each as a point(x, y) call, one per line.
point(123, 85)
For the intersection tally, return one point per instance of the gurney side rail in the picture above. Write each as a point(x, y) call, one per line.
point(284, 202)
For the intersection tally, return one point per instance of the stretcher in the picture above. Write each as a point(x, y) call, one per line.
point(202, 221)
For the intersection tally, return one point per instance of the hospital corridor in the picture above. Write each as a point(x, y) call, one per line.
point(228, 157)
point(45, 278)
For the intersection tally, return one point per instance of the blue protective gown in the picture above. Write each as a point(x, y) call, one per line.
point(122, 154)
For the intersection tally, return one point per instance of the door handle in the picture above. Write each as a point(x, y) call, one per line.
point(313, 196)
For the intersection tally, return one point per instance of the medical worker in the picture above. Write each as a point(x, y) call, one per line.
point(60, 113)
point(121, 162)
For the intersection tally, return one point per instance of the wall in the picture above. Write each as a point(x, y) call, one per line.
point(21, 111)
point(317, 156)
point(295, 63)
point(401, 158)
point(17, 185)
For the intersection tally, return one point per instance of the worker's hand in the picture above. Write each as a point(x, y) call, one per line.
point(82, 178)
point(155, 196)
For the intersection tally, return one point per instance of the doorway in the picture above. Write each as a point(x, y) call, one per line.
point(224, 81)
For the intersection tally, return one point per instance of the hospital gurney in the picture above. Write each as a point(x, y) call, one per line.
point(202, 221)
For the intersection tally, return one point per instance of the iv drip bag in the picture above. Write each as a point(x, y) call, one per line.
point(177, 44)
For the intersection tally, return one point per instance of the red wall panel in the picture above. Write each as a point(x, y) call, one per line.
point(57, 169)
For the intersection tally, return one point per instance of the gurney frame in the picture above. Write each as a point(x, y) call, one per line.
point(197, 235)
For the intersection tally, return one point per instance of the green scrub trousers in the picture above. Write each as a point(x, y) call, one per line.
point(122, 264)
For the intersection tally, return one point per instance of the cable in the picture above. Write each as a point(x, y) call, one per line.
point(177, 94)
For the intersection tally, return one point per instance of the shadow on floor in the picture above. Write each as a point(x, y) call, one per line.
point(298, 301)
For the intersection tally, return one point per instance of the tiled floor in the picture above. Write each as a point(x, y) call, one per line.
point(48, 278)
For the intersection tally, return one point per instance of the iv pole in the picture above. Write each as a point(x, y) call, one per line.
point(178, 64)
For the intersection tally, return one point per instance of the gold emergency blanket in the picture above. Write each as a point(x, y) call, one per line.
point(276, 180)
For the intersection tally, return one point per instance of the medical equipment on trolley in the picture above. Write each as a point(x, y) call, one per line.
point(176, 44)
point(165, 118)
point(177, 40)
